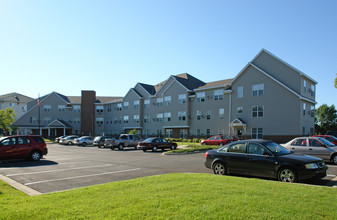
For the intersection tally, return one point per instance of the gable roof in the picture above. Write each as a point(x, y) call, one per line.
point(284, 62)
point(148, 88)
point(15, 97)
point(188, 81)
point(215, 84)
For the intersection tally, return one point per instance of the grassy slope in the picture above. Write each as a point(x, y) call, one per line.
point(182, 196)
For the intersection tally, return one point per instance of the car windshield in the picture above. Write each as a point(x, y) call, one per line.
point(277, 149)
point(2, 138)
point(149, 140)
point(326, 142)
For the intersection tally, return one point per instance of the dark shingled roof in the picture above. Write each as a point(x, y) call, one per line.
point(149, 88)
point(189, 81)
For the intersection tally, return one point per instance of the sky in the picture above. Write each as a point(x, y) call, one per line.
point(110, 45)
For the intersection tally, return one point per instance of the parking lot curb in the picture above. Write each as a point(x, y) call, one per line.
point(334, 180)
point(19, 186)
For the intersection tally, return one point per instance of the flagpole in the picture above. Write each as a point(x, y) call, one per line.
point(39, 105)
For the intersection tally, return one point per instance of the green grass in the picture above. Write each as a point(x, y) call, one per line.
point(176, 196)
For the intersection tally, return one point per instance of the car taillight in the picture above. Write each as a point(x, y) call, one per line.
point(206, 154)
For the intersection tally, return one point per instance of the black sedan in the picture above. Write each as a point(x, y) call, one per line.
point(156, 143)
point(264, 159)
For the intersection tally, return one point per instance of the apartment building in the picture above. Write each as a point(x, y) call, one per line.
point(267, 99)
point(16, 101)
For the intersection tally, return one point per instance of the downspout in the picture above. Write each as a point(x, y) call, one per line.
point(229, 112)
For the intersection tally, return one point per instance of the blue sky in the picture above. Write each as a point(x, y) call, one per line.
point(109, 46)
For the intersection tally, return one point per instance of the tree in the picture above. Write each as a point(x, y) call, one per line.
point(134, 131)
point(325, 118)
point(336, 81)
point(7, 117)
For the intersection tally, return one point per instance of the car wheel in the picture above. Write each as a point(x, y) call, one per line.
point(120, 147)
point(221, 144)
point(334, 159)
point(154, 149)
point(69, 143)
point(144, 150)
point(287, 175)
point(84, 144)
point(204, 143)
point(35, 156)
point(173, 147)
point(219, 168)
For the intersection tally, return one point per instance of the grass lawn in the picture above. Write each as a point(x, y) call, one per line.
point(176, 196)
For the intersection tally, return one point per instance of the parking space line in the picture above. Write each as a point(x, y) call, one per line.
point(75, 177)
point(50, 171)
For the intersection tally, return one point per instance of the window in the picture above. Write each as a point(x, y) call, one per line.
point(160, 117)
point(99, 108)
point(32, 120)
point(182, 98)
point(136, 119)
point(258, 89)
point(240, 92)
point(198, 133)
point(99, 121)
point(147, 103)
point(109, 108)
point(46, 120)
point(198, 115)
point(312, 111)
point(61, 108)
point(126, 105)
point(221, 113)
point(169, 133)
point(159, 133)
point(167, 100)
point(257, 149)
point(77, 108)
point(126, 119)
point(47, 108)
point(304, 107)
point(208, 133)
point(219, 94)
point(181, 116)
point(183, 133)
point(312, 90)
point(208, 114)
point(240, 109)
point(200, 96)
point(146, 118)
point(136, 104)
point(304, 86)
point(299, 142)
point(119, 107)
point(77, 120)
point(237, 148)
point(257, 133)
point(257, 111)
point(159, 102)
point(167, 116)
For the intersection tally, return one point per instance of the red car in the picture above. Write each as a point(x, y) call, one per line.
point(31, 147)
point(330, 138)
point(156, 143)
point(218, 140)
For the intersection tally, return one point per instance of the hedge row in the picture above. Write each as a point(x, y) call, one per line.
point(194, 140)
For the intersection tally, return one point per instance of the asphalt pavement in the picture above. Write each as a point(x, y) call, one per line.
point(70, 167)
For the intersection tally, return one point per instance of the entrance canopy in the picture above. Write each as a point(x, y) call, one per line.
point(238, 123)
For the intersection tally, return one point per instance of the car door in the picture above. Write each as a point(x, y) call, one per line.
point(299, 146)
point(260, 161)
point(236, 159)
point(318, 149)
point(7, 148)
point(23, 146)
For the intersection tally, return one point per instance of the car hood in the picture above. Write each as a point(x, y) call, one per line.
point(299, 157)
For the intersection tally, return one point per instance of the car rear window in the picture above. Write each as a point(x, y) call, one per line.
point(37, 139)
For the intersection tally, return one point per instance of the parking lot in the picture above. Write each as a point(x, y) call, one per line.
point(70, 167)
